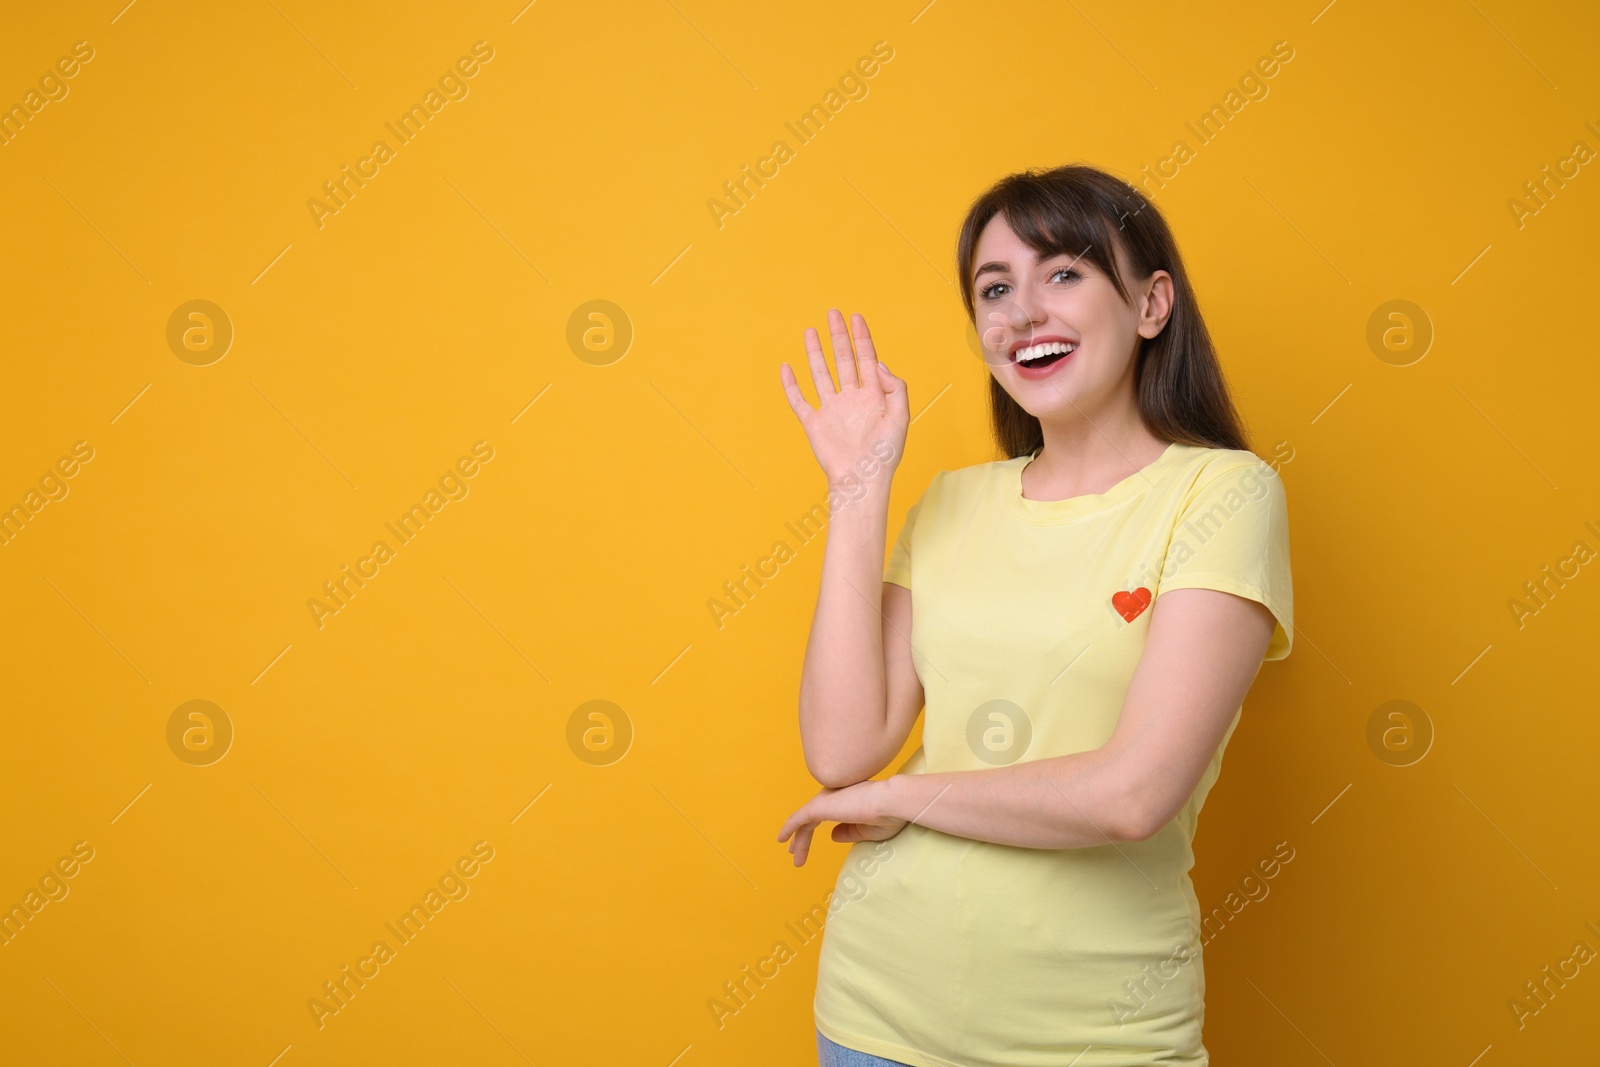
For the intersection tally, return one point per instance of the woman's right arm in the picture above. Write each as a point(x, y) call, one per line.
point(859, 692)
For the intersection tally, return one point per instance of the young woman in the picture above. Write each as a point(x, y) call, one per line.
point(1081, 620)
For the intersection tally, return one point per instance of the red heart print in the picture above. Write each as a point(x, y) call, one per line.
point(1131, 605)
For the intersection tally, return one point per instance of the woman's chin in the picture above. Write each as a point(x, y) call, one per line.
point(1046, 400)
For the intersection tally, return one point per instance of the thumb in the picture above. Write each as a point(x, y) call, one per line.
point(893, 386)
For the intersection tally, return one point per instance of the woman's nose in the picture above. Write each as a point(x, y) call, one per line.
point(1021, 311)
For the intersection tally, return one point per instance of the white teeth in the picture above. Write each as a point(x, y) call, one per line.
point(1033, 352)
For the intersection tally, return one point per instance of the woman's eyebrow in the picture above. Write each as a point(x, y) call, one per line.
point(995, 266)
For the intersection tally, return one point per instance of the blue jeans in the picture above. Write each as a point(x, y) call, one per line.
point(832, 1055)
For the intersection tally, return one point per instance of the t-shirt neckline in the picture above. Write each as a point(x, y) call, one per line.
point(1051, 512)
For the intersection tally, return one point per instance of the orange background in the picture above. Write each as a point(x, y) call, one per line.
point(628, 484)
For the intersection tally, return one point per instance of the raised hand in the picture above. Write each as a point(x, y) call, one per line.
point(861, 425)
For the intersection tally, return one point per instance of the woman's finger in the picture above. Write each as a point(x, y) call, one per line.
point(866, 355)
point(791, 388)
point(844, 357)
point(895, 394)
point(790, 823)
point(819, 367)
point(803, 840)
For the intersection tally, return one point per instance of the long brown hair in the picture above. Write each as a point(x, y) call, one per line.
point(1079, 210)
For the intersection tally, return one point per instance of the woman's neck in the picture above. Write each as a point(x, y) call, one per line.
point(1086, 458)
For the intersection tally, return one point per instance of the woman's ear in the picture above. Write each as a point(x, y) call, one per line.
point(1156, 304)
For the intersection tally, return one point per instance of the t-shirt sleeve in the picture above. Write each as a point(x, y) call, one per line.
point(1233, 535)
point(898, 569)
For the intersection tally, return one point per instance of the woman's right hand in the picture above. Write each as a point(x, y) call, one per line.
point(860, 428)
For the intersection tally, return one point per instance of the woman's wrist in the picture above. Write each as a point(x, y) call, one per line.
point(897, 795)
point(876, 470)
point(853, 487)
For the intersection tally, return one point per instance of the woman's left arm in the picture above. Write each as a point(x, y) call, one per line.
point(1201, 654)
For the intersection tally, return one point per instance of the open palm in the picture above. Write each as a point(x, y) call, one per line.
point(868, 411)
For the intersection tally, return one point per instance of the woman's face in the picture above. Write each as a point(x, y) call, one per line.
point(1021, 301)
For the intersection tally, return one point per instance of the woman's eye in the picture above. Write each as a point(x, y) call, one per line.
point(989, 292)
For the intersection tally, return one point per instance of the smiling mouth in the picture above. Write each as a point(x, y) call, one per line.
point(1043, 355)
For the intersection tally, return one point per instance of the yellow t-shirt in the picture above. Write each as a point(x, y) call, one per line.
point(1029, 617)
